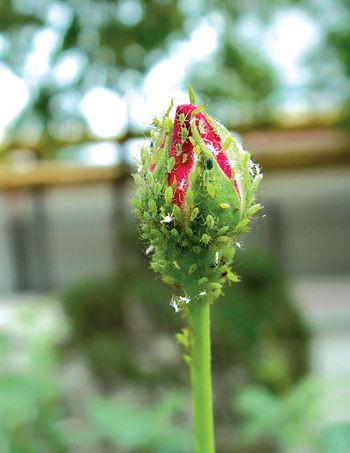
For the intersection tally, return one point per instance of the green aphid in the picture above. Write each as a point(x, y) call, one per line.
point(201, 127)
point(174, 233)
point(210, 221)
point(227, 143)
point(153, 206)
point(170, 164)
point(138, 179)
point(156, 122)
point(168, 195)
point(223, 230)
point(192, 268)
point(189, 197)
point(211, 189)
point(223, 239)
point(205, 239)
point(177, 212)
point(189, 232)
point(194, 214)
point(184, 134)
point(168, 124)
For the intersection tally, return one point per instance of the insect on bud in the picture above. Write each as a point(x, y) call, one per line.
point(200, 195)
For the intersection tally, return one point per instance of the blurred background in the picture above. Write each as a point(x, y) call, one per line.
point(88, 358)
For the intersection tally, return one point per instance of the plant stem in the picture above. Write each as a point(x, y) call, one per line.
point(199, 321)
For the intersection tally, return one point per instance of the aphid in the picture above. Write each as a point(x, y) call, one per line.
point(209, 164)
point(201, 127)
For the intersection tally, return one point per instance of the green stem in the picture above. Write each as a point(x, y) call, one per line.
point(199, 321)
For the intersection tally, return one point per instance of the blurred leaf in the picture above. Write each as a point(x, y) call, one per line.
point(335, 438)
point(136, 427)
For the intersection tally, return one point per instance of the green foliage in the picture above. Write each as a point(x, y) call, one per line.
point(297, 418)
point(98, 317)
point(101, 314)
point(95, 303)
point(254, 324)
point(118, 48)
point(335, 438)
point(257, 323)
point(34, 414)
point(31, 407)
point(160, 427)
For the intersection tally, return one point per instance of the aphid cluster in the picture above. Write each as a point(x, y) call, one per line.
point(195, 193)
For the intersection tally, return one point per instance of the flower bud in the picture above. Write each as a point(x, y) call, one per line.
point(200, 197)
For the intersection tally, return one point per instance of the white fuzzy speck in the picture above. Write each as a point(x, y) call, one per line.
point(184, 299)
point(149, 249)
point(174, 305)
point(167, 218)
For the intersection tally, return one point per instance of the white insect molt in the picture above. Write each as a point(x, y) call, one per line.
point(202, 294)
point(149, 249)
point(217, 254)
point(239, 245)
point(253, 169)
point(174, 305)
point(184, 299)
point(182, 184)
point(167, 218)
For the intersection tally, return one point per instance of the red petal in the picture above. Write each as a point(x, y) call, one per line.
point(181, 170)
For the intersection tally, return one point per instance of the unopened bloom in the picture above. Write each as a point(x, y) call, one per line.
point(195, 194)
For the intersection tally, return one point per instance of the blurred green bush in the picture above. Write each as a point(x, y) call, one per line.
point(299, 420)
point(31, 406)
point(36, 410)
point(255, 325)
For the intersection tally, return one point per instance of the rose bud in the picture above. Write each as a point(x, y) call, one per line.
point(195, 194)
